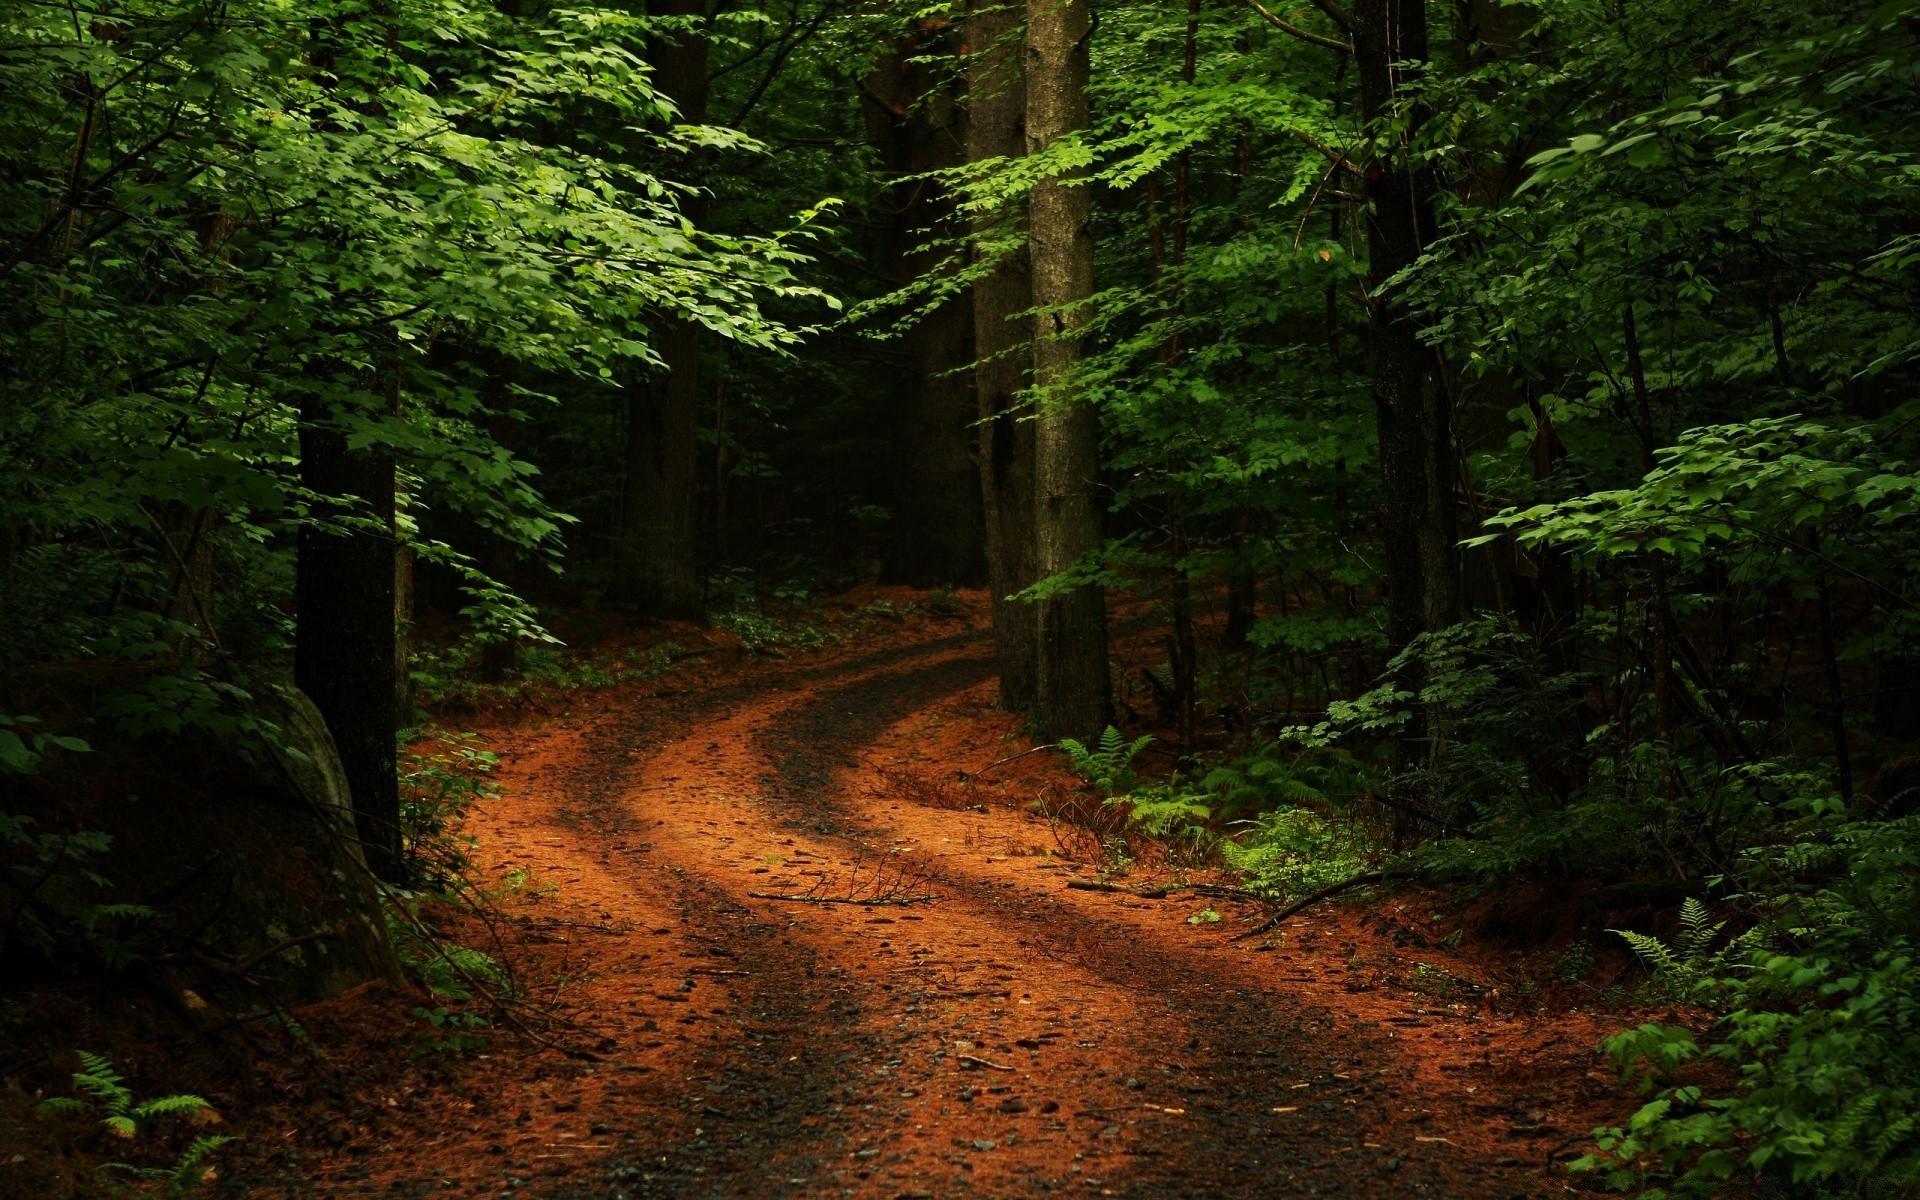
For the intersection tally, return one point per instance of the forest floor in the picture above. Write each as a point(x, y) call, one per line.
point(989, 1031)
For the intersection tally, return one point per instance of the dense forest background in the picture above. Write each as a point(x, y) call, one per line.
point(1507, 411)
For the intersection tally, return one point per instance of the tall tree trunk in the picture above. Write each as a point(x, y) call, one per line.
point(1411, 409)
point(996, 128)
point(1413, 413)
point(937, 534)
point(345, 653)
point(1073, 693)
point(656, 566)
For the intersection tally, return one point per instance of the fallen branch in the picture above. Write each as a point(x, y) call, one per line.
point(1168, 889)
point(974, 1061)
point(1004, 761)
point(1223, 892)
point(1313, 898)
point(875, 903)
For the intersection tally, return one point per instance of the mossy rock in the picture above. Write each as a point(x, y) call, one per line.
point(236, 847)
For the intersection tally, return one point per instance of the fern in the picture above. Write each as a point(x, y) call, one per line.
point(1108, 766)
point(186, 1175)
point(107, 1094)
point(1690, 967)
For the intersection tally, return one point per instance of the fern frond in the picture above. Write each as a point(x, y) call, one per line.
point(1652, 951)
point(164, 1106)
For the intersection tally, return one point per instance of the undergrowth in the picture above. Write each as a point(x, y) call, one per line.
point(101, 1095)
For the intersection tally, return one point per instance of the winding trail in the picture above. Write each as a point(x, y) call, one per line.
point(1007, 1038)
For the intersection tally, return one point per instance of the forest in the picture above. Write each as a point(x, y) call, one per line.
point(797, 598)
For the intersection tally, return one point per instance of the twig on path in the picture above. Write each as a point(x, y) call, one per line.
point(863, 901)
point(976, 1061)
point(1313, 898)
point(1001, 762)
point(1165, 890)
point(1222, 891)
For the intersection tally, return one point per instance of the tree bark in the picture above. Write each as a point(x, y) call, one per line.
point(346, 653)
point(656, 569)
point(937, 534)
point(1414, 415)
point(996, 128)
point(1073, 693)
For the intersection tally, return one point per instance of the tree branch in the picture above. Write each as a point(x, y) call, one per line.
point(1334, 156)
point(1339, 16)
point(1305, 35)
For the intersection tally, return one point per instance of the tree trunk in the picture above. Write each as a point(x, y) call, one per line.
point(656, 568)
point(1414, 416)
point(996, 128)
point(937, 535)
point(346, 654)
point(1073, 694)
point(657, 575)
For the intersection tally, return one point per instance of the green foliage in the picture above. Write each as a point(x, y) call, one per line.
point(1820, 1022)
point(438, 785)
point(37, 865)
point(102, 1092)
point(1690, 967)
point(450, 971)
point(1109, 765)
point(1169, 815)
point(767, 634)
point(1293, 850)
point(453, 1032)
point(21, 755)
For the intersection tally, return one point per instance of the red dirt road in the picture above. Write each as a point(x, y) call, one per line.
point(1007, 1038)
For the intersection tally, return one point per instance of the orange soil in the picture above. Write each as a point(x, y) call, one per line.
point(1007, 1037)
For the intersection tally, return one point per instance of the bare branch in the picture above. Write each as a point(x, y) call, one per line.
point(1305, 35)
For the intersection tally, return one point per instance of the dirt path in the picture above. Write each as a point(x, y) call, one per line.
point(1008, 1037)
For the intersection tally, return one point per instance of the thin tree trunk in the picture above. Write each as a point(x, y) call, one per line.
point(1413, 414)
point(345, 650)
point(402, 625)
point(1185, 655)
point(722, 469)
point(996, 128)
point(937, 534)
point(1411, 410)
point(656, 568)
point(1662, 610)
point(657, 549)
point(500, 658)
point(1073, 690)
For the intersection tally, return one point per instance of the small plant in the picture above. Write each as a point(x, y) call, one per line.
point(104, 1091)
point(1689, 967)
point(453, 1032)
point(437, 787)
point(1292, 851)
point(1108, 766)
point(447, 969)
point(768, 635)
point(1574, 963)
point(1172, 816)
point(521, 881)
